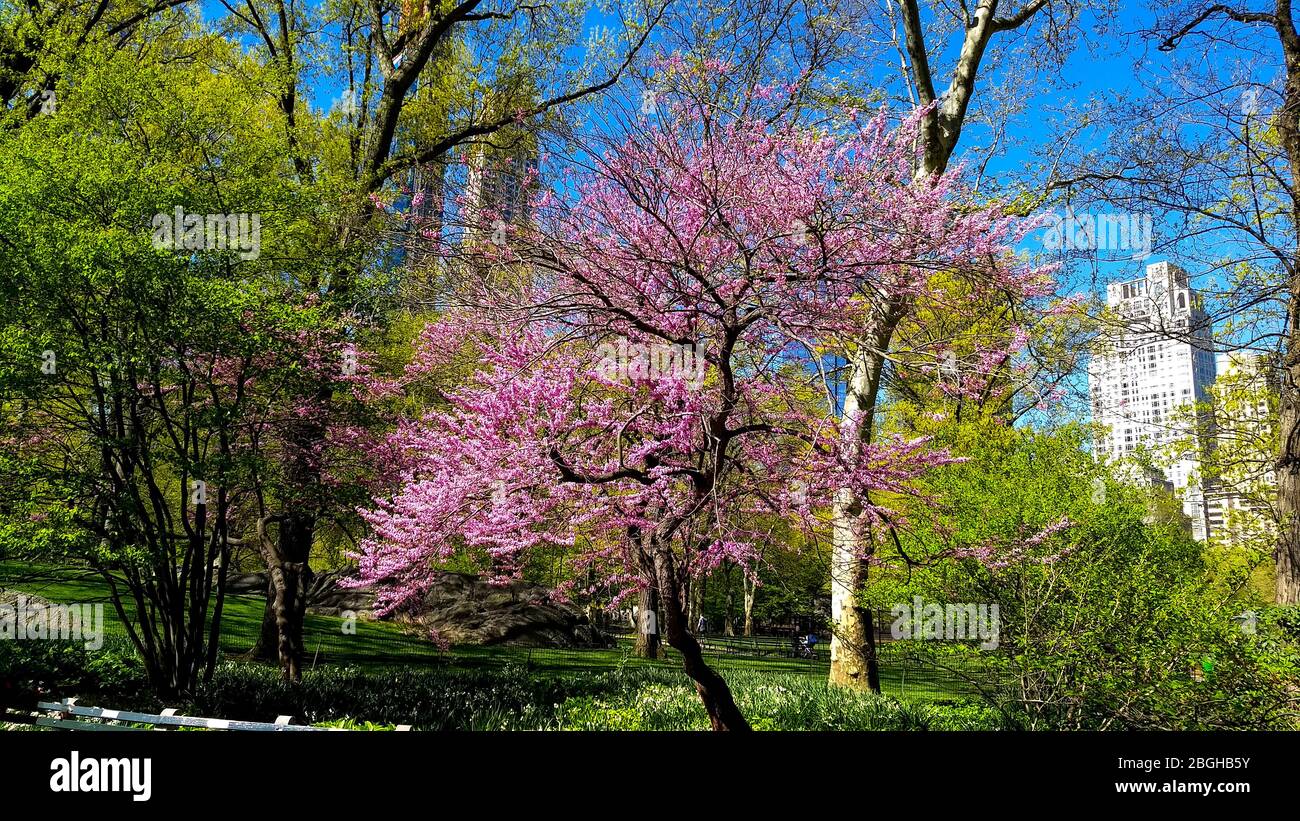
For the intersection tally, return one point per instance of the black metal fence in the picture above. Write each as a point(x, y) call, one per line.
point(903, 671)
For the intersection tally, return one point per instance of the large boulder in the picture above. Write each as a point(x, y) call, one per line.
point(460, 608)
point(324, 595)
point(241, 584)
point(464, 609)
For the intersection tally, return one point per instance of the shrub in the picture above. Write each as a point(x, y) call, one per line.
point(1110, 616)
point(353, 724)
point(771, 702)
point(508, 698)
point(34, 670)
point(431, 699)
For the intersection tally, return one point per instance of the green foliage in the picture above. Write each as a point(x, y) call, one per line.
point(1103, 624)
point(508, 698)
point(32, 669)
point(353, 724)
point(772, 703)
point(591, 713)
point(173, 365)
point(430, 699)
point(1239, 420)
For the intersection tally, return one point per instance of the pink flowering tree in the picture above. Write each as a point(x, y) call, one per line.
point(653, 374)
point(315, 410)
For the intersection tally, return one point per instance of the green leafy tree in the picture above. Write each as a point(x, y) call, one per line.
point(1109, 615)
point(139, 362)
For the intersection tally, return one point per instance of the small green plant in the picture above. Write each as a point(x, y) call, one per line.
point(353, 724)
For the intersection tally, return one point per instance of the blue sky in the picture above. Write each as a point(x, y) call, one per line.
point(1116, 67)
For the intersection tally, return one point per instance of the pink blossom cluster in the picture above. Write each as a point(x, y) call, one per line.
point(761, 246)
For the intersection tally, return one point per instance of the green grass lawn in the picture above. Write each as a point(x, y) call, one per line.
point(378, 644)
point(374, 643)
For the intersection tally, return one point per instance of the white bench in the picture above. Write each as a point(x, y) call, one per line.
point(68, 715)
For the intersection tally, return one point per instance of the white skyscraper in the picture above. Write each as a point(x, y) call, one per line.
point(1159, 359)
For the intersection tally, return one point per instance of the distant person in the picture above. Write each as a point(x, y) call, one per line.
point(811, 642)
point(801, 647)
point(702, 625)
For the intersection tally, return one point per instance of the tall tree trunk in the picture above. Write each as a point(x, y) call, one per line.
point(853, 650)
point(217, 586)
point(711, 687)
point(751, 590)
point(268, 638)
point(290, 577)
point(290, 572)
point(697, 595)
point(595, 613)
point(647, 644)
point(1287, 551)
point(853, 657)
point(1287, 121)
point(854, 663)
point(688, 587)
point(286, 562)
point(1287, 468)
point(730, 609)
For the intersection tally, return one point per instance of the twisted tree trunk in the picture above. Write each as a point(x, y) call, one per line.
point(289, 575)
point(712, 689)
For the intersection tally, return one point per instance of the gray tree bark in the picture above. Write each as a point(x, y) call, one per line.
point(853, 657)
